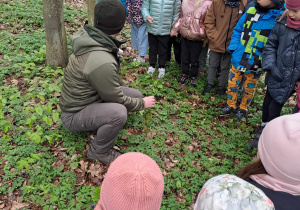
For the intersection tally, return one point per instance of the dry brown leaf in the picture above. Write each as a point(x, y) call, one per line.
point(95, 170)
point(17, 205)
point(83, 165)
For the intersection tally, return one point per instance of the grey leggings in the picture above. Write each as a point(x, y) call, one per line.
point(105, 119)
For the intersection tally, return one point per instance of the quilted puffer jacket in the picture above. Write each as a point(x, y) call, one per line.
point(281, 61)
point(191, 23)
point(164, 14)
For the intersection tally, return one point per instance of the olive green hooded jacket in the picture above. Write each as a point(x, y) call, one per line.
point(92, 73)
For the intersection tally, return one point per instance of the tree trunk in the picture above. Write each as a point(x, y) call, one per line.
point(91, 9)
point(56, 40)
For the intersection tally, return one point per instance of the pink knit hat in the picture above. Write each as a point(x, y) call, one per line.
point(133, 182)
point(292, 4)
point(279, 149)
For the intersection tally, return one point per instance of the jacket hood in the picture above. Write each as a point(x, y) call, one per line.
point(283, 21)
point(90, 39)
point(273, 13)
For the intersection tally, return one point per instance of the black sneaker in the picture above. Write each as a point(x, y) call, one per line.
point(259, 132)
point(221, 91)
point(207, 88)
point(193, 82)
point(240, 114)
point(227, 110)
point(253, 144)
point(183, 79)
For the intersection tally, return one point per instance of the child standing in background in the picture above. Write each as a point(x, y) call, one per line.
point(220, 20)
point(247, 43)
point(191, 28)
point(281, 61)
point(139, 37)
point(160, 17)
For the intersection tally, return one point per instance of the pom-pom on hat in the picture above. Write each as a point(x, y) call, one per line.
point(109, 16)
point(133, 182)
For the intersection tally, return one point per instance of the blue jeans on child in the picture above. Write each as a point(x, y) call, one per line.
point(139, 38)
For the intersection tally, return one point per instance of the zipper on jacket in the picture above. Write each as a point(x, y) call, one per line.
point(228, 27)
point(293, 65)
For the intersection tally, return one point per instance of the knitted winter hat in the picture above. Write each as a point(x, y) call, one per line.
point(133, 182)
point(292, 4)
point(110, 16)
point(279, 147)
point(276, 1)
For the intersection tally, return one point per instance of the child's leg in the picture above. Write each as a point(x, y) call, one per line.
point(143, 40)
point(163, 50)
point(214, 62)
point(224, 68)
point(195, 50)
point(203, 58)
point(265, 108)
point(274, 108)
point(234, 80)
point(169, 51)
point(185, 56)
point(134, 36)
point(153, 49)
point(296, 109)
point(249, 87)
point(177, 49)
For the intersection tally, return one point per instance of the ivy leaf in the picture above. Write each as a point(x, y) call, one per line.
point(35, 137)
point(29, 121)
point(39, 110)
point(49, 108)
point(48, 120)
point(55, 117)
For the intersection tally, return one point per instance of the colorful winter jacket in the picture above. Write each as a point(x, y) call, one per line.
point(92, 74)
point(250, 35)
point(164, 14)
point(134, 12)
point(281, 61)
point(191, 23)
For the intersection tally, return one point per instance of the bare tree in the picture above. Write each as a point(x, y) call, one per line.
point(91, 9)
point(56, 40)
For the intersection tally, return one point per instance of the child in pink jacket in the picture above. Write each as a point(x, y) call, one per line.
point(191, 27)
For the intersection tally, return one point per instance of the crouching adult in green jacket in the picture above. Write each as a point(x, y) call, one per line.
point(93, 97)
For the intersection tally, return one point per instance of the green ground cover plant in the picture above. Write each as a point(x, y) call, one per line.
point(44, 166)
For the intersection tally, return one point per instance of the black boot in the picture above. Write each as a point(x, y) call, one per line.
point(207, 89)
point(259, 132)
point(253, 144)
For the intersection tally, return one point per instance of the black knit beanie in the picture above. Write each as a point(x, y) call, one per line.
point(110, 16)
